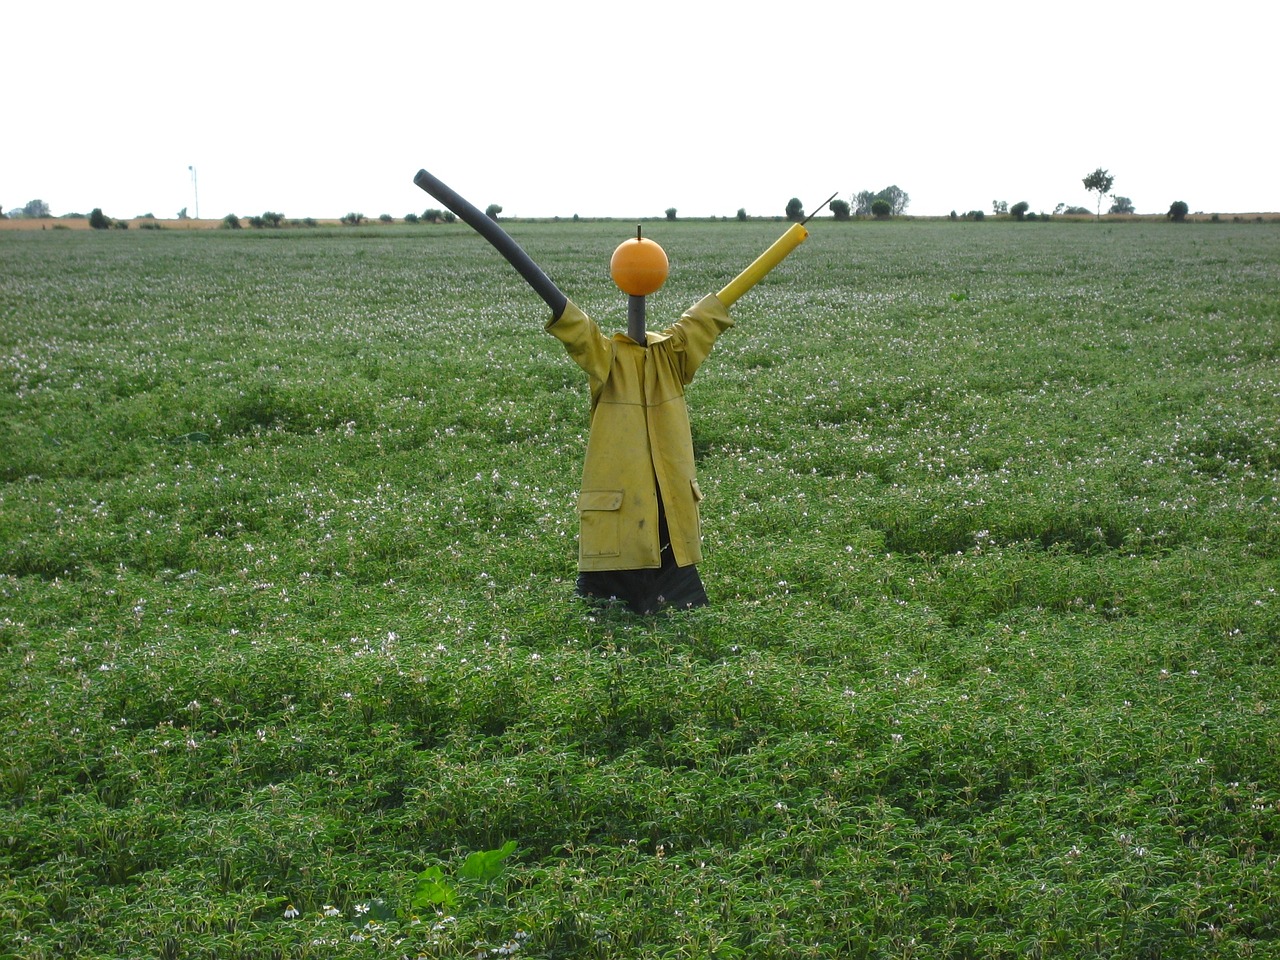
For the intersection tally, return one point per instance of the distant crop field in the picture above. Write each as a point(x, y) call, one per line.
point(293, 666)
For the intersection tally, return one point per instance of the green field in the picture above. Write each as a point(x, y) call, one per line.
point(287, 625)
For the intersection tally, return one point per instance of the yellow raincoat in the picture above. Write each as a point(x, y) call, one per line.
point(639, 446)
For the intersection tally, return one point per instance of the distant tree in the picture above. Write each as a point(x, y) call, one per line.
point(231, 222)
point(410, 218)
point(881, 208)
point(272, 219)
point(98, 220)
point(795, 209)
point(492, 211)
point(862, 202)
point(36, 209)
point(976, 215)
point(1178, 211)
point(671, 213)
point(432, 215)
point(353, 219)
point(386, 218)
point(840, 208)
point(182, 214)
point(1101, 181)
point(448, 216)
point(257, 223)
point(897, 197)
point(999, 207)
point(742, 214)
point(1121, 205)
point(1019, 209)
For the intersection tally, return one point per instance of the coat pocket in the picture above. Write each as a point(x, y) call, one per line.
point(600, 515)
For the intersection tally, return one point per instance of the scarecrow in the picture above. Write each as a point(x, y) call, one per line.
point(640, 531)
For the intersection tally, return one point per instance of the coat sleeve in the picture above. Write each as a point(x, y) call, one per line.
point(585, 343)
point(693, 335)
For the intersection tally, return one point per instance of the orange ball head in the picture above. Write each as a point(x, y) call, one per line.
point(639, 266)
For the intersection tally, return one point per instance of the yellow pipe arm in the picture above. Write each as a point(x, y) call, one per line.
point(749, 277)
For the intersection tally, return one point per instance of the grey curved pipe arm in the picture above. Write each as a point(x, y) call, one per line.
point(488, 228)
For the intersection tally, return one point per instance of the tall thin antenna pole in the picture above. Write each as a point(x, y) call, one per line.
point(195, 187)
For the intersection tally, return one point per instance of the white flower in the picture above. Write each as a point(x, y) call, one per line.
point(290, 912)
point(331, 911)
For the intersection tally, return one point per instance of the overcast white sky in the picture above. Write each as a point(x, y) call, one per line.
point(624, 109)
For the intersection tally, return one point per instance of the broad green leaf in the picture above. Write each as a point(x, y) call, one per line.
point(432, 890)
point(487, 864)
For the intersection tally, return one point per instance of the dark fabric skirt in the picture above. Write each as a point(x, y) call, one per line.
point(669, 587)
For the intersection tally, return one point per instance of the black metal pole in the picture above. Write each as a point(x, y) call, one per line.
point(635, 319)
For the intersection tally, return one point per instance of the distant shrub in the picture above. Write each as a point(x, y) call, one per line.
point(410, 218)
point(432, 215)
point(272, 219)
point(449, 216)
point(150, 225)
point(1019, 210)
point(742, 214)
point(842, 210)
point(671, 213)
point(795, 209)
point(492, 211)
point(230, 222)
point(257, 223)
point(880, 209)
point(976, 215)
point(309, 222)
point(386, 218)
point(1178, 211)
point(953, 215)
point(353, 219)
point(98, 220)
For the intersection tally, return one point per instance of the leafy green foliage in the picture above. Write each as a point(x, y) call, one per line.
point(286, 615)
point(484, 866)
point(1178, 211)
